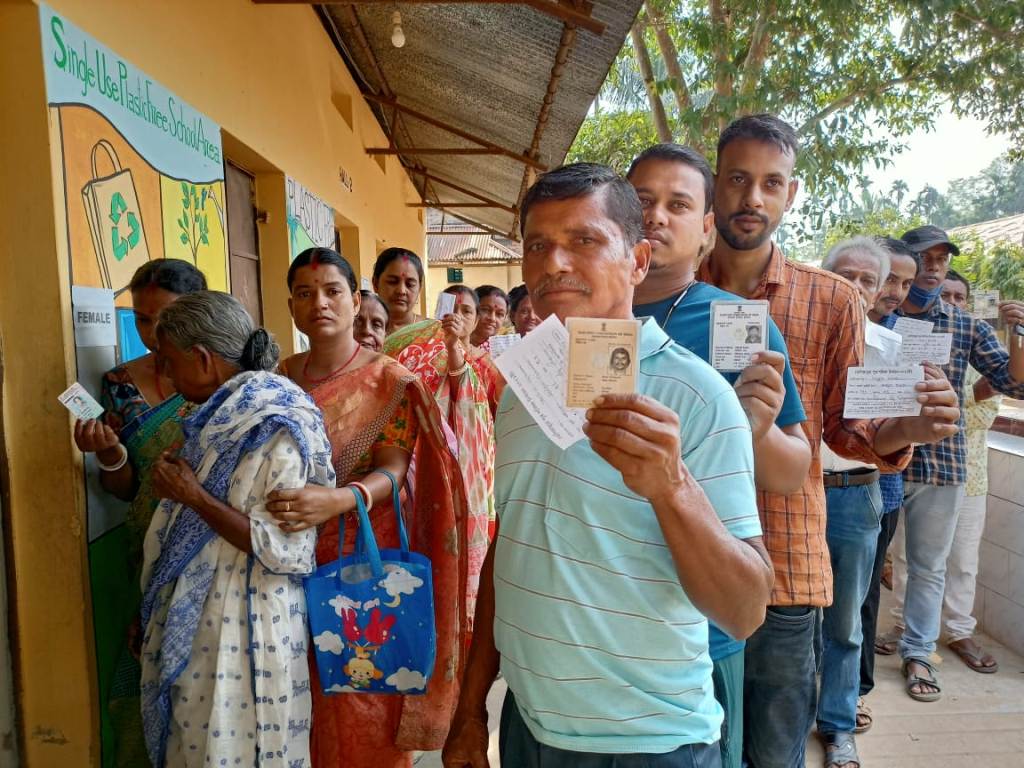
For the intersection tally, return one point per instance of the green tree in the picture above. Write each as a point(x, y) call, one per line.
point(998, 266)
point(613, 138)
point(995, 192)
point(855, 78)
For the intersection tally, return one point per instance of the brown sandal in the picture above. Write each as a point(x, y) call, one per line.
point(864, 718)
point(974, 656)
point(889, 643)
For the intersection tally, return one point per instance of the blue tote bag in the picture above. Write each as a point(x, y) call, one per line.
point(371, 614)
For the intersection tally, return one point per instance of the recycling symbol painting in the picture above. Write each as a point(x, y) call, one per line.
point(121, 244)
point(115, 220)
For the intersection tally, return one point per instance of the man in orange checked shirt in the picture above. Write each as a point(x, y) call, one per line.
point(822, 319)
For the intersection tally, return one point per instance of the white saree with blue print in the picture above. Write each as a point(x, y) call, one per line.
point(225, 677)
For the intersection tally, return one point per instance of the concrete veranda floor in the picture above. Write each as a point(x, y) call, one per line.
point(978, 722)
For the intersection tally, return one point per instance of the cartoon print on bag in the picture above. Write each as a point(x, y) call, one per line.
point(398, 582)
point(360, 668)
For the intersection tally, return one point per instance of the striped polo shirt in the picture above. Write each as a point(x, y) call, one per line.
point(599, 642)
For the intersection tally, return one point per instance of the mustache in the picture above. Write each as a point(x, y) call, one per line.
point(750, 214)
point(558, 283)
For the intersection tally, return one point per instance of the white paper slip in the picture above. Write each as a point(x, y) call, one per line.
point(908, 326)
point(986, 304)
point(603, 358)
point(502, 342)
point(536, 370)
point(445, 305)
point(81, 404)
point(928, 347)
point(881, 346)
point(95, 317)
point(739, 329)
point(873, 393)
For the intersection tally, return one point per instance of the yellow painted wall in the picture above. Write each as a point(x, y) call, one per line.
point(271, 78)
point(45, 517)
point(505, 276)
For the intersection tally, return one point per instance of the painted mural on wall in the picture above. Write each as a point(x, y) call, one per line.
point(310, 225)
point(310, 219)
point(143, 171)
point(140, 174)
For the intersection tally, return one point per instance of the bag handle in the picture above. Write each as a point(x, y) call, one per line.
point(396, 502)
point(364, 537)
point(111, 153)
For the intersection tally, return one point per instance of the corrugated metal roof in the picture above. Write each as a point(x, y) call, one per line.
point(468, 249)
point(484, 68)
point(1009, 228)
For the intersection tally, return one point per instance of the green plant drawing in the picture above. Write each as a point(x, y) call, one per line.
point(194, 221)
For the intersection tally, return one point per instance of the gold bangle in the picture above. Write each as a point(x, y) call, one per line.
point(459, 371)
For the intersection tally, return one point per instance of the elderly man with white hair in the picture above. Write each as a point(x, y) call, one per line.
point(854, 512)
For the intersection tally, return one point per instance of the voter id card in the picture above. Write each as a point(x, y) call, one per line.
point(739, 330)
point(81, 404)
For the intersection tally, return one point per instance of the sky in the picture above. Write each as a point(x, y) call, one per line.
point(956, 148)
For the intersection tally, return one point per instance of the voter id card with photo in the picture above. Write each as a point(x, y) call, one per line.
point(81, 404)
point(739, 329)
point(603, 358)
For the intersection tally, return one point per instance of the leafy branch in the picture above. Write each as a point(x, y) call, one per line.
point(194, 222)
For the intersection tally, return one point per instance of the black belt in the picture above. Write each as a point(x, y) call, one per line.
point(862, 476)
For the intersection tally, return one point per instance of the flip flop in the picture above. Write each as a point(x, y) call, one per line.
point(913, 680)
point(841, 751)
point(974, 656)
point(889, 643)
point(864, 719)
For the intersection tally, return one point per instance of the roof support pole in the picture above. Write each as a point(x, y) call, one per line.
point(565, 46)
point(463, 190)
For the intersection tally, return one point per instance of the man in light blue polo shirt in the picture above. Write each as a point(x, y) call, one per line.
point(611, 554)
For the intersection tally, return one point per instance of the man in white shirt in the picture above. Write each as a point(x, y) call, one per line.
point(854, 504)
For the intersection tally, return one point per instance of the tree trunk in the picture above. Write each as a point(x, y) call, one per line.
point(671, 56)
point(647, 72)
point(721, 28)
point(753, 65)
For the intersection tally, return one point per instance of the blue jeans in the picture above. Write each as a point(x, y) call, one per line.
point(518, 749)
point(852, 527)
point(929, 517)
point(869, 611)
point(779, 688)
point(727, 678)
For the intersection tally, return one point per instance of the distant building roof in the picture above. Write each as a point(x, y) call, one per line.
point(440, 221)
point(1008, 228)
point(468, 249)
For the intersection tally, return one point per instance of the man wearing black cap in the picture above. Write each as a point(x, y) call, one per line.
point(934, 481)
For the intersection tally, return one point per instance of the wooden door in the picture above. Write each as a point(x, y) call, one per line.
point(243, 241)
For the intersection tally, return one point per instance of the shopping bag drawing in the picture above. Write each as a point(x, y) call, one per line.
point(115, 221)
point(371, 614)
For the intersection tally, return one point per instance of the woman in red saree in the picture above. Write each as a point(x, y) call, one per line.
point(378, 417)
point(470, 306)
point(492, 313)
point(459, 376)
